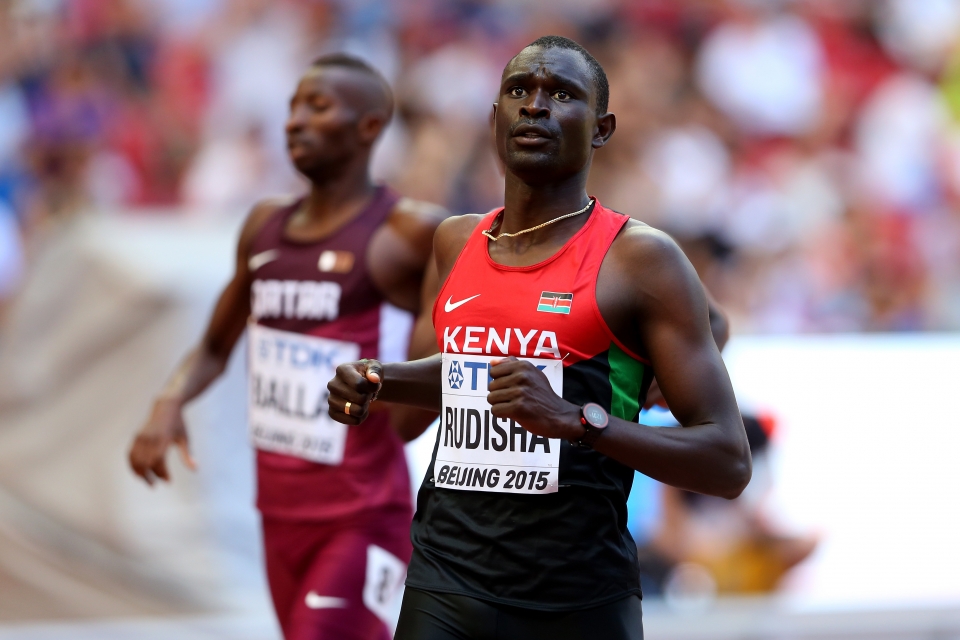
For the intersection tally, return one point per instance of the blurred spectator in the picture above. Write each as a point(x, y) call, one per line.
point(897, 138)
point(764, 71)
point(919, 34)
point(806, 152)
point(699, 543)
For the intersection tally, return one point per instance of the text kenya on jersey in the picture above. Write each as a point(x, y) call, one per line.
point(483, 340)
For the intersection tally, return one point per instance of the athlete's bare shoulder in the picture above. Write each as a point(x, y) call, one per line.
point(258, 216)
point(646, 279)
point(651, 266)
point(451, 238)
point(639, 243)
point(420, 210)
point(416, 221)
point(455, 230)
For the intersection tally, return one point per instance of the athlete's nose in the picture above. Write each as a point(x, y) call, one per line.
point(537, 106)
point(296, 119)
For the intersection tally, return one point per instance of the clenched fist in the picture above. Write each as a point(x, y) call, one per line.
point(521, 391)
point(355, 386)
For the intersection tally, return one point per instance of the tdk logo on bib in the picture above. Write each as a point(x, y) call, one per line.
point(455, 377)
point(293, 351)
point(473, 377)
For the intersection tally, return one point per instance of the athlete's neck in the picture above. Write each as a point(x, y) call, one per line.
point(527, 205)
point(331, 192)
point(331, 203)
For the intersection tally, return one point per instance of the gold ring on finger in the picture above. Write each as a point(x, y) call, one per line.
point(346, 408)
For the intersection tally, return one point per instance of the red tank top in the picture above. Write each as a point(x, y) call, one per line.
point(480, 528)
point(324, 289)
point(547, 310)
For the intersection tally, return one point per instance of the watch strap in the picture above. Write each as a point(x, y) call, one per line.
point(590, 437)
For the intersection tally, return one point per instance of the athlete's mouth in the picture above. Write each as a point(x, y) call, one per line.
point(296, 142)
point(531, 132)
point(531, 136)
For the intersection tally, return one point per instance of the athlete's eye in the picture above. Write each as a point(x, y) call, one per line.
point(516, 92)
point(562, 96)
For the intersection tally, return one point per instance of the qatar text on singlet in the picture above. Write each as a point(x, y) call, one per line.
point(478, 451)
point(288, 393)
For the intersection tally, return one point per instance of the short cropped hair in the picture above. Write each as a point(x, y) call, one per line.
point(348, 61)
point(340, 59)
point(596, 69)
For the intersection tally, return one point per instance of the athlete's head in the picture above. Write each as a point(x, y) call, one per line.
point(340, 107)
point(552, 110)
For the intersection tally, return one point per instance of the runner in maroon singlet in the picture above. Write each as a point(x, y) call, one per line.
point(327, 278)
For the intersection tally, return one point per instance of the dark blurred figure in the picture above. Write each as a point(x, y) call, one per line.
point(725, 547)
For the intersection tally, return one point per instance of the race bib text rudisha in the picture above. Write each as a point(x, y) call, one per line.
point(477, 451)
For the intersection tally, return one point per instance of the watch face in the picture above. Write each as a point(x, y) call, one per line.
point(595, 415)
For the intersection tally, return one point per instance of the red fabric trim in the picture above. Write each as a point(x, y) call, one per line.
point(443, 287)
point(596, 306)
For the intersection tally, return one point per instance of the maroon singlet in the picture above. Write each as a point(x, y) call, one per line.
point(373, 473)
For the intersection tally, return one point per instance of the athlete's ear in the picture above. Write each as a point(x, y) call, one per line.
point(606, 125)
point(371, 125)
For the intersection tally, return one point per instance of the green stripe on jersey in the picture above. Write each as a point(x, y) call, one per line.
point(626, 379)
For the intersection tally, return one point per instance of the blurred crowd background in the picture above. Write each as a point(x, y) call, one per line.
point(806, 152)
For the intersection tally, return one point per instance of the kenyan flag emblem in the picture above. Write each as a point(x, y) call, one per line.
point(551, 302)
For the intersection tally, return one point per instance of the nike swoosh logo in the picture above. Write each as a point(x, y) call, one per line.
point(316, 601)
point(262, 258)
point(450, 305)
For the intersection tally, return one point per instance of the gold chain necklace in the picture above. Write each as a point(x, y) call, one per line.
point(487, 233)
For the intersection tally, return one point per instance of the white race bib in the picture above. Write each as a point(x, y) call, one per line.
point(477, 451)
point(383, 587)
point(289, 373)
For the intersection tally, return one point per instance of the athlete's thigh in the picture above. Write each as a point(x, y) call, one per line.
point(338, 596)
point(442, 616)
point(620, 620)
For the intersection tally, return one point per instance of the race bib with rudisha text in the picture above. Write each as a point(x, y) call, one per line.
point(477, 451)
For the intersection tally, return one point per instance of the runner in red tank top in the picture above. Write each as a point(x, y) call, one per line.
point(554, 315)
point(330, 277)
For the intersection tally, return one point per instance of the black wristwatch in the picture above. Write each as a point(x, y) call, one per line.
point(594, 419)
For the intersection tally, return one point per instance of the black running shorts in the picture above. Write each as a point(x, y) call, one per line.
point(443, 616)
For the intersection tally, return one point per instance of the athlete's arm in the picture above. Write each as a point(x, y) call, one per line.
point(401, 250)
point(201, 367)
point(415, 383)
point(410, 422)
point(671, 319)
point(719, 328)
point(403, 268)
point(662, 307)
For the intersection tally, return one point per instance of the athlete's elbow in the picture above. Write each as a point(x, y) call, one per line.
point(214, 355)
point(737, 477)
